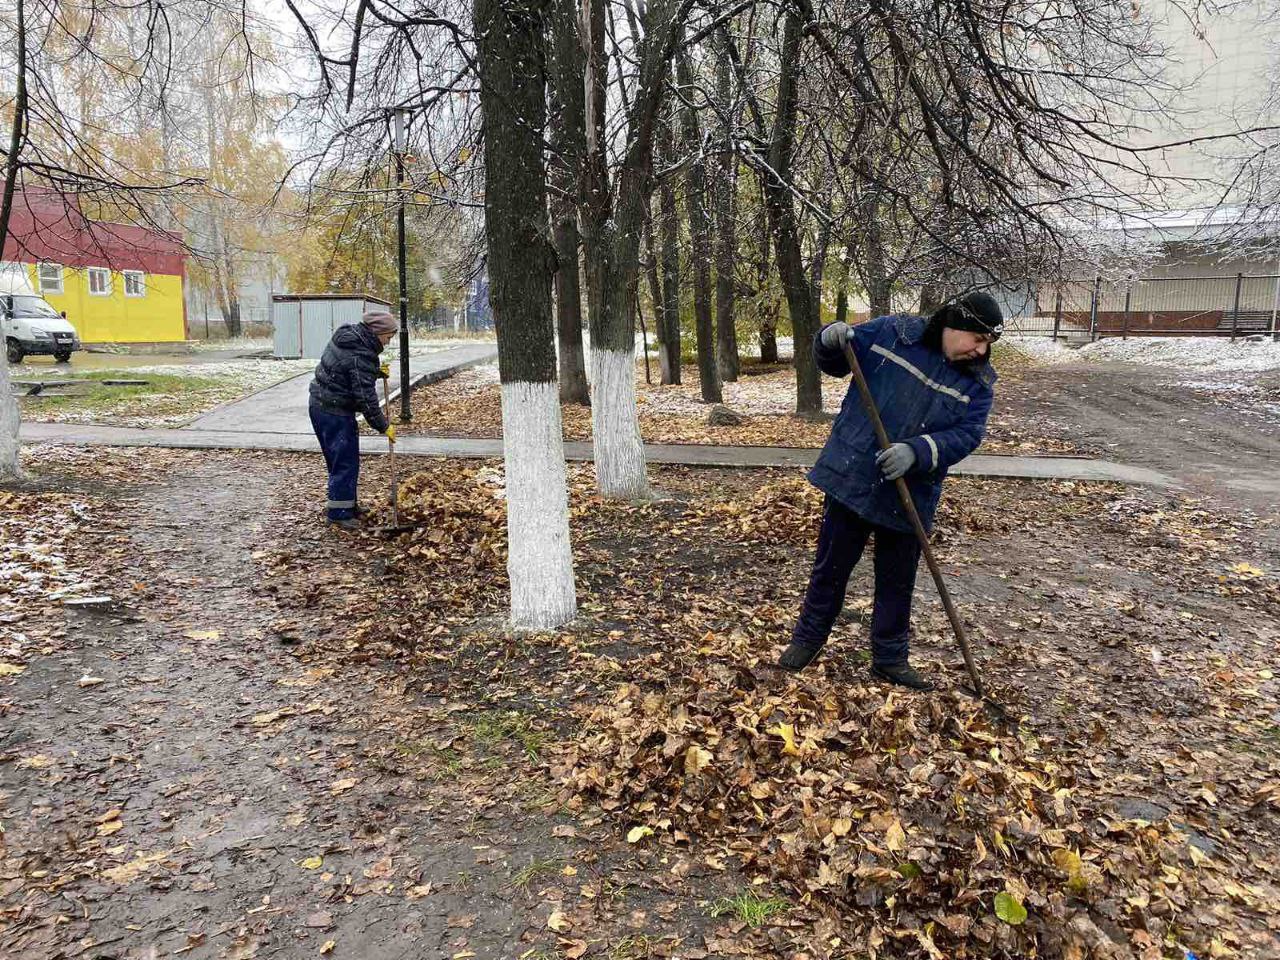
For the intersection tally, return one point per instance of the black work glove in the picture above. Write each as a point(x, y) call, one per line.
point(896, 461)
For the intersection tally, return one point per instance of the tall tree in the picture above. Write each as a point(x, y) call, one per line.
point(726, 190)
point(568, 144)
point(612, 210)
point(669, 244)
point(766, 305)
point(695, 201)
point(521, 264)
point(10, 420)
point(782, 219)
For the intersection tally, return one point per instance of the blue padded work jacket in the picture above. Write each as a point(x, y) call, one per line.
point(937, 407)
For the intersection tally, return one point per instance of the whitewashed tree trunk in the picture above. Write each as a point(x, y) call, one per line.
point(539, 558)
point(521, 265)
point(9, 423)
point(616, 442)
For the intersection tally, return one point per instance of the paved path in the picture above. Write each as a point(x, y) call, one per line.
point(282, 408)
point(1032, 468)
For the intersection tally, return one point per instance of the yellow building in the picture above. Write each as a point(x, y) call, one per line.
point(114, 306)
point(117, 283)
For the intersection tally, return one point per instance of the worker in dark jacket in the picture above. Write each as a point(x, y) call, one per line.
point(932, 381)
point(346, 383)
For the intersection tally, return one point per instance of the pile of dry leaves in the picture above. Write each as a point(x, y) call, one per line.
point(910, 822)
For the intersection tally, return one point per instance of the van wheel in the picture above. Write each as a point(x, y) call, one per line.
point(62, 357)
point(14, 351)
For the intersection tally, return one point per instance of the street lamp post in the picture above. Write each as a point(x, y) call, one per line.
point(406, 409)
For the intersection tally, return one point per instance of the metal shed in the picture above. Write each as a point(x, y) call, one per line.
point(304, 322)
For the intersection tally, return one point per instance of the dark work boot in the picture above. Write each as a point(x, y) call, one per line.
point(346, 523)
point(903, 674)
point(798, 656)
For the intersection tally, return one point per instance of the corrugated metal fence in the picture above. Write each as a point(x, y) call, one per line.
point(1226, 306)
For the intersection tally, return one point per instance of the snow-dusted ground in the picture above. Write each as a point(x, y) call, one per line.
point(250, 373)
point(1040, 350)
point(1210, 353)
point(255, 373)
point(246, 344)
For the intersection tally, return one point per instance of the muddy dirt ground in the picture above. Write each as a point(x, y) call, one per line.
point(1218, 433)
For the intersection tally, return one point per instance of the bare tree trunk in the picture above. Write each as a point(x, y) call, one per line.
point(782, 219)
point(879, 287)
point(818, 266)
point(842, 287)
point(700, 241)
point(18, 130)
point(568, 141)
point(659, 308)
point(521, 265)
point(726, 238)
point(766, 314)
point(670, 243)
point(10, 417)
point(231, 289)
point(573, 367)
point(930, 298)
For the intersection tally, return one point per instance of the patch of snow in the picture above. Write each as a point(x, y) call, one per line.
point(248, 373)
point(232, 343)
point(1040, 350)
point(1215, 353)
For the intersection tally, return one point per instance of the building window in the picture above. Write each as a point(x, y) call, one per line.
point(50, 277)
point(135, 283)
point(100, 281)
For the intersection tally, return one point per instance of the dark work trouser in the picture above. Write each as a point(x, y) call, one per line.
point(840, 543)
point(340, 441)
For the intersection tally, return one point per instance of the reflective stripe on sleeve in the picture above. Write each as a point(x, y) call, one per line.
point(933, 448)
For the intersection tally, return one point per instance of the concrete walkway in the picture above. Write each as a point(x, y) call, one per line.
point(979, 465)
point(282, 408)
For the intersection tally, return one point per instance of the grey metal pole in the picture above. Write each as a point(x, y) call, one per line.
point(406, 406)
point(1093, 309)
point(1128, 292)
point(1235, 310)
point(1275, 306)
point(1057, 314)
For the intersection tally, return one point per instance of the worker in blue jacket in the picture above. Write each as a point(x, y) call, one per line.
point(346, 383)
point(932, 380)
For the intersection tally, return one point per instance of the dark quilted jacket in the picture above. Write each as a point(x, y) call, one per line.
point(347, 375)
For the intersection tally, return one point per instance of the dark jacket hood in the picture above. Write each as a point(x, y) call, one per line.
point(355, 335)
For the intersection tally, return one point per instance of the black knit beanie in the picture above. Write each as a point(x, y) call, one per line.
point(976, 312)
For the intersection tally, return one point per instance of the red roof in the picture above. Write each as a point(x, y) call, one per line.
point(47, 226)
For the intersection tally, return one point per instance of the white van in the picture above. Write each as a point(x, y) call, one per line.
point(29, 325)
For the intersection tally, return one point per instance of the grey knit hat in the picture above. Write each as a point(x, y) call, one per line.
point(380, 322)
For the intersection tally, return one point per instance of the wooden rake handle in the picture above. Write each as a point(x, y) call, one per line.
point(882, 437)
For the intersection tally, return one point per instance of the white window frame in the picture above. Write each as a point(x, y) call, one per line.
point(140, 276)
point(48, 286)
point(89, 278)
